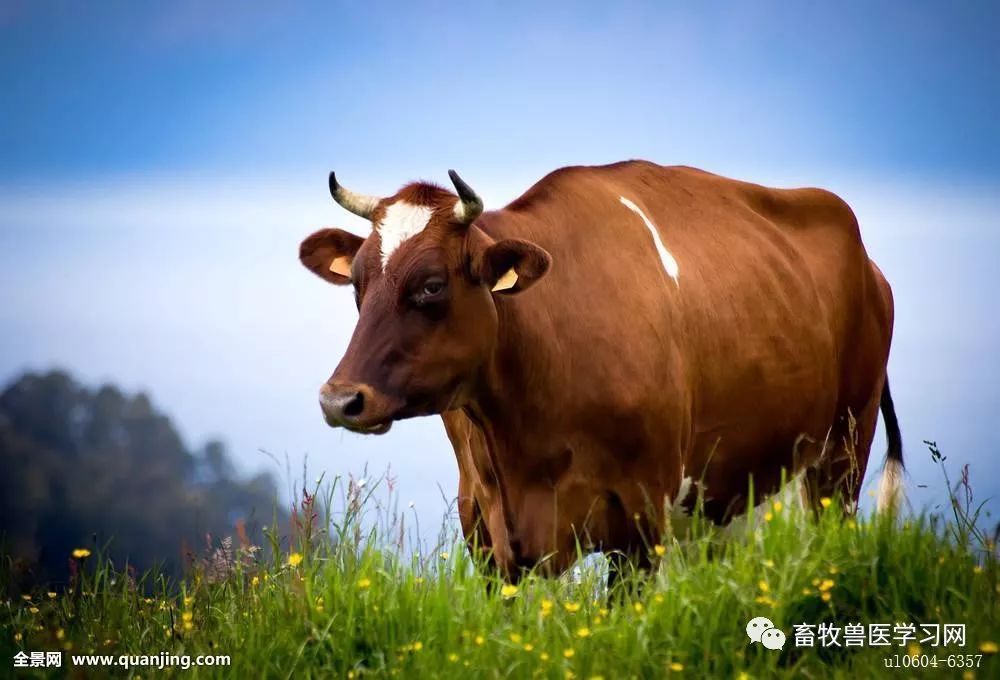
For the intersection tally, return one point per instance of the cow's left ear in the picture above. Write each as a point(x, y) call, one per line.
point(329, 253)
point(512, 265)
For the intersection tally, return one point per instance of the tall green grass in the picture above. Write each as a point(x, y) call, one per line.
point(351, 603)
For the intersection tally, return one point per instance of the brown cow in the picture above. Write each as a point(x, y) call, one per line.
point(684, 326)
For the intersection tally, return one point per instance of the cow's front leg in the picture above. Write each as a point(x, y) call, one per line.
point(474, 529)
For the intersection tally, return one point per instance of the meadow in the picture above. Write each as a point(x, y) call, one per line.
point(344, 596)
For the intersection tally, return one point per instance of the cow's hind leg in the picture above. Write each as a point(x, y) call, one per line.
point(840, 469)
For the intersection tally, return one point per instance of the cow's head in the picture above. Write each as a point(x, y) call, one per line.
point(424, 281)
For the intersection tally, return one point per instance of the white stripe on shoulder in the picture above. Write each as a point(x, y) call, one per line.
point(402, 221)
point(669, 263)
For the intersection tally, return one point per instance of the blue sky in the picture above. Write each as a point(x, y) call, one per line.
point(160, 163)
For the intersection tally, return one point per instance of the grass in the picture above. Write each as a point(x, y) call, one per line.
point(351, 604)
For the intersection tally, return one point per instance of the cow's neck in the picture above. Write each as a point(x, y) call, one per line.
point(512, 406)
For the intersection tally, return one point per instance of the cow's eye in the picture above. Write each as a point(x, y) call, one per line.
point(432, 287)
point(433, 290)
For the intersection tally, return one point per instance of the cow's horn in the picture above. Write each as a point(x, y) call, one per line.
point(468, 206)
point(359, 204)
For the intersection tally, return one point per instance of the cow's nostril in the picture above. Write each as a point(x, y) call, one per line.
point(354, 407)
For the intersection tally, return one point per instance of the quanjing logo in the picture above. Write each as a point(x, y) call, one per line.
point(761, 629)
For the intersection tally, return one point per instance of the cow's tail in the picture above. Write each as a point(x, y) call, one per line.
point(890, 487)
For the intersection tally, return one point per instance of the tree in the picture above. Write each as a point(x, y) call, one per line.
point(80, 463)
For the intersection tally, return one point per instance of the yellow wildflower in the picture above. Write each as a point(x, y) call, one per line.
point(764, 588)
point(515, 638)
point(638, 607)
point(826, 596)
point(528, 646)
point(508, 590)
point(33, 610)
point(571, 607)
point(768, 516)
point(676, 667)
point(659, 550)
point(418, 645)
point(453, 657)
point(51, 595)
point(777, 505)
point(445, 556)
point(825, 502)
point(364, 583)
point(769, 563)
point(544, 656)
point(568, 653)
point(988, 647)
point(480, 640)
point(255, 581)
point(583, 632)
point(295, 559)
point(81, 553)
point(826, 584)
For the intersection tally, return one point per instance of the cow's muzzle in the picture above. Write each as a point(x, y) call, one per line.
point(357, 407)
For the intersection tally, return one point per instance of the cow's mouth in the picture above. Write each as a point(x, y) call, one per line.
point(367, 426)
point(378, 428)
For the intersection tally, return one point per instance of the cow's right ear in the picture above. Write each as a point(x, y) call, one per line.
point(329, 254)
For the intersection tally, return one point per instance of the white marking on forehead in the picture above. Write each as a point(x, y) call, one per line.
point(402, 221)
point(669, 263)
